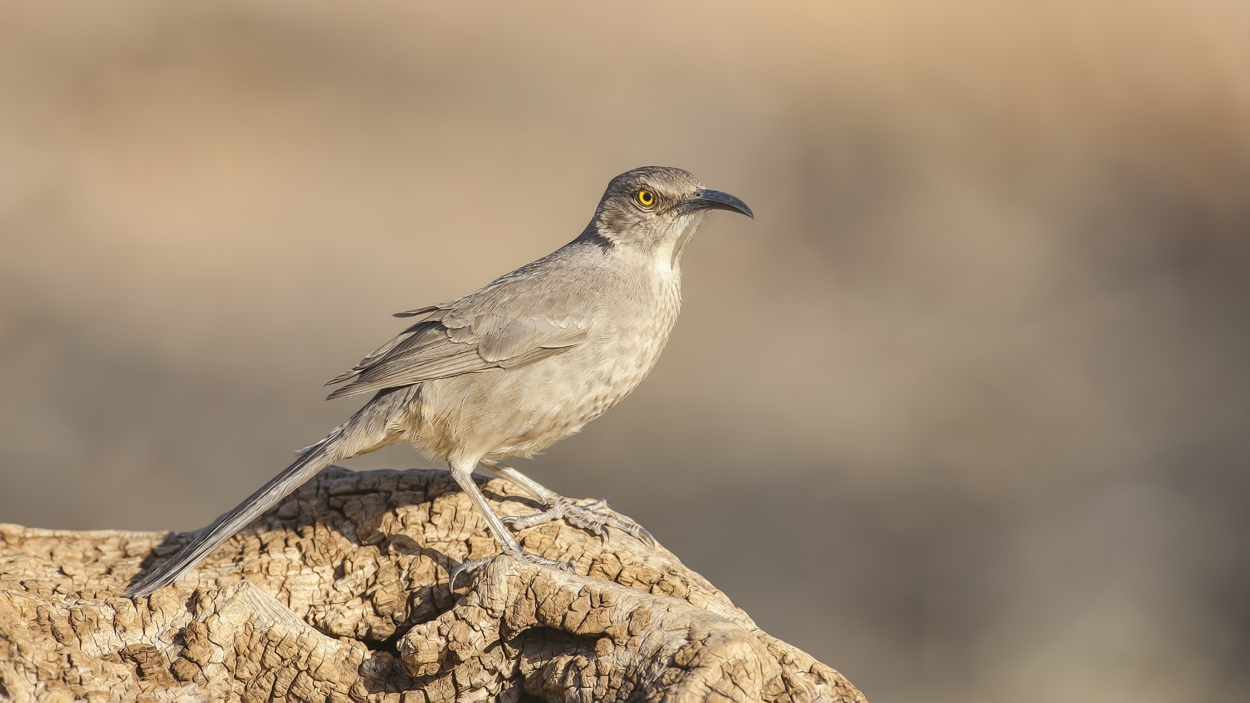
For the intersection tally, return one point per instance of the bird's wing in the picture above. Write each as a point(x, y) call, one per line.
point(459, 339)
point(413, 336)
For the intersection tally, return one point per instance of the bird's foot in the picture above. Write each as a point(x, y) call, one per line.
point(590, 515)
point(524, 557)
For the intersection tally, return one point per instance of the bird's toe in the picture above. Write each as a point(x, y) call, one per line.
point(590, 515)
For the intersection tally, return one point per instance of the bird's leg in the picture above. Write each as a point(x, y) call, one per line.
point(508, 543)
point(588, 515)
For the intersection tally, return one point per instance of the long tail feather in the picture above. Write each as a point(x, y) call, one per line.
point(364, 432)
point(310, 461)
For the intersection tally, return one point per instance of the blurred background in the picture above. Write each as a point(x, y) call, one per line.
point(964, 413)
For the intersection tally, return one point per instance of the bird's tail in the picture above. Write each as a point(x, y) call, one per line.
point(310, 461)
point(364, 432)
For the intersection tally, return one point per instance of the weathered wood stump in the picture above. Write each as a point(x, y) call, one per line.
point(340, 593)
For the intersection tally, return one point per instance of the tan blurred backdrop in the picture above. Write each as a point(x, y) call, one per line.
point(965, 412)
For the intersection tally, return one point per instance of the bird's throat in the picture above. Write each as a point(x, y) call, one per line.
point(668, 252)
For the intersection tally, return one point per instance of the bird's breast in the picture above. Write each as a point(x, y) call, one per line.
point(628, 348)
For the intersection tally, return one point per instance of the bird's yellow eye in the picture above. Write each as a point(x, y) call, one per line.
point(645, 198)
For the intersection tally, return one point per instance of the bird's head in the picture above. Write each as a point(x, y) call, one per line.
point(656, 208)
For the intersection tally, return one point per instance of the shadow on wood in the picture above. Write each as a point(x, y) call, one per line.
point(340, 593)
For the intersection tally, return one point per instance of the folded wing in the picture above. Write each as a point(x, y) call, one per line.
point(451, 342)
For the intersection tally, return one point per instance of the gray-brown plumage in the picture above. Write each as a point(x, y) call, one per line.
point(512, 368)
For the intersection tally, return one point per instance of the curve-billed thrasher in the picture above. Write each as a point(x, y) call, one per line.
point(519, 364)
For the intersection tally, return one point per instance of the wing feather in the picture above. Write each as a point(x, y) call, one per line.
point(419, 311)
point(482, 331)
point(431, 350)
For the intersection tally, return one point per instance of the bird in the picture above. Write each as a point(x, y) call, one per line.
point(512, 368)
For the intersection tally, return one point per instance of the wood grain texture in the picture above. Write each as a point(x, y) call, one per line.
point(340, 593)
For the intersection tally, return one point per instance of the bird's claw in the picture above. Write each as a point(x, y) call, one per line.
point(524, 557)
point(589, 515)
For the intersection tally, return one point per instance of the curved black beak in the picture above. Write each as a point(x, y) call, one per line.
point(708, 199)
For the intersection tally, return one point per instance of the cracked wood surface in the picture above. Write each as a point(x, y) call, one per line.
point(340, 593)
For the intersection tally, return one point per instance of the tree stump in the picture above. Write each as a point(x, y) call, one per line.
point(340, 593)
